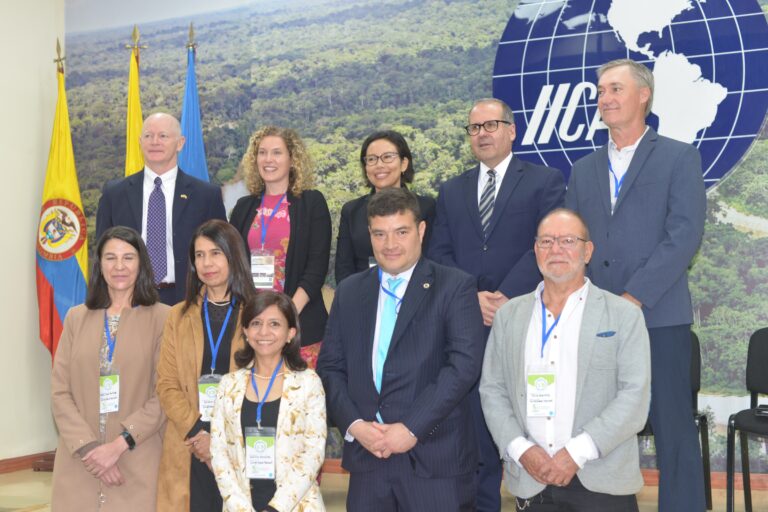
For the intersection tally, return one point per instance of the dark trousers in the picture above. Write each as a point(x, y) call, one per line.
point(678, 454)
point(395, 487)
point(574, 497)
point(204, 494)
point(488, 476)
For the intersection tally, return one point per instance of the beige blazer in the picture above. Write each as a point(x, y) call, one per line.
point(181, 358)
point(299, 441)
point(75, 404)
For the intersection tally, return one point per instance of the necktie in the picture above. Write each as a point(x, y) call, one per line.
point(487, 199)
point(156, 231)
point(386, 328)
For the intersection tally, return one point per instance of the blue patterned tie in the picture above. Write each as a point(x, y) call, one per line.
point(487, 198)
point(386, 328)
point(156, 231)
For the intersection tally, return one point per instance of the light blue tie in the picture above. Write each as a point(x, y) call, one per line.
point(386, 327)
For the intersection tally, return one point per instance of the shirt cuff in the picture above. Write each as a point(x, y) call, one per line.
point(517, 447)
point(582, 449)
point(349, 437)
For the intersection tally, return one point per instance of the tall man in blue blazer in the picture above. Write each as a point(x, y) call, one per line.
point(485, 225)
point(642, 196)
point(185, 203)
point(402, 349)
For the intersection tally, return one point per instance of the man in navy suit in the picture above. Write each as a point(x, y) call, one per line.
point(403, 348)
point(485, 225)
point(186, 201)
point(642, 196)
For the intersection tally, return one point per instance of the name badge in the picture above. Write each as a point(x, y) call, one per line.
point(109, 393)
point(207, 387)
point(263, 269)
point(540, 395)
point(260, 453)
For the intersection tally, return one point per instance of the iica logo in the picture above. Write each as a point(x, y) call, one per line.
point(708, 60)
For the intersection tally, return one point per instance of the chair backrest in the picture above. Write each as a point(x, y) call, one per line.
point(757, 361)
point(695, 369)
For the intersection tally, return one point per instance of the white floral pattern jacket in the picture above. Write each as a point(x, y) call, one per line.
point(299, 441)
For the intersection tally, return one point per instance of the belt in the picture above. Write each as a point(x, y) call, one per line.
point(165, 286)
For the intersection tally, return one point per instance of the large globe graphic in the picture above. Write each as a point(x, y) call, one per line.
point(709, 59)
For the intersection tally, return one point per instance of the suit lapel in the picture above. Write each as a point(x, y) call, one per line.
point(180, 197)
point(590, 323)
point(517, 355)
point(602, 177)
point(418, 288)
point(512, 177)
point(642, 152)
point(369, 302)
point(136, 197)
point(470, 200)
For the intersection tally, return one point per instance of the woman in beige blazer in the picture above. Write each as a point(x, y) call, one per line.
point(275, 391)
point(199, 342)
point(109, 442)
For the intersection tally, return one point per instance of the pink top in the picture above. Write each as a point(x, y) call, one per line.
point(277, 237)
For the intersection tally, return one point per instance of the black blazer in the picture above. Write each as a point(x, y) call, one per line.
point(309, 249)
point(353, 245)
point(194, 202)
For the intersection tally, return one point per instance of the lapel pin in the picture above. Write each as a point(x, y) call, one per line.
point(183, 196)
point(426, 286)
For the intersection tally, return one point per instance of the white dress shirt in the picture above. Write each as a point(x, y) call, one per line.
point(482, 178)
point(561, 353)
point(620, 160)
point(168, 186)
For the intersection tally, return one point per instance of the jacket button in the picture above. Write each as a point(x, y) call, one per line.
point(605, 263)
point(485, 247)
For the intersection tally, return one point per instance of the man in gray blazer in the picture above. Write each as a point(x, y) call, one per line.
point(642, 196)
point(566, 383)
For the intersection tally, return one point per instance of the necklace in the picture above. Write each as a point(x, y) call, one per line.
point(222, 303)
point(267, 377)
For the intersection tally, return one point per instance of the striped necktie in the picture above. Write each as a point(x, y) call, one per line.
point(487, 198)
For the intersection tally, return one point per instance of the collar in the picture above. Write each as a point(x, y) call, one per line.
point(167, 177)
point(405, 275)
point(613, 147)
point(500, 169)
point(581, 292)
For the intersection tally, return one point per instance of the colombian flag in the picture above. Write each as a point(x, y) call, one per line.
point(134, 160)
point(62, 251)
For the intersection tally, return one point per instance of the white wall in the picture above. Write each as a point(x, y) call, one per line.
point(28, 32)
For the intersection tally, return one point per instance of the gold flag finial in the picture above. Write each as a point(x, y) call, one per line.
point(135, 36)
point(59, 60)
point(191, 42)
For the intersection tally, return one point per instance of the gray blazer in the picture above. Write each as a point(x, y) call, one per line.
point(612, 393)
point(647, 244)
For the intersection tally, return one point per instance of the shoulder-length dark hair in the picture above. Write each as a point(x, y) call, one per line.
point(226, 238)
point(402, 149)
point(256, 306)
point(144, 291)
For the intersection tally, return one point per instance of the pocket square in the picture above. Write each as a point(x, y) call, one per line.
point(606, 334)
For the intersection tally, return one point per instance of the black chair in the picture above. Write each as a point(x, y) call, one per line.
point(746, 422)
point(699, 418)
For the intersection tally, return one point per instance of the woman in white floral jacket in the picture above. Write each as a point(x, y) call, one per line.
point(275, 405)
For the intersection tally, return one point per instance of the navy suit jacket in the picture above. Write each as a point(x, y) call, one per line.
point(646, 245)
point(194, 202)
point(504, 260)
point(434, 360)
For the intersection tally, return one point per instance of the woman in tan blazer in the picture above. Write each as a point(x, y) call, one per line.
point(199, 343)
point(110, 436)
point(276, 392)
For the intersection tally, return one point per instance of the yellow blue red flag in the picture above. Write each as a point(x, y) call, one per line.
point(134, 161)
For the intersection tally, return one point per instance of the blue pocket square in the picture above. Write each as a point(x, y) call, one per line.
point(606, 334)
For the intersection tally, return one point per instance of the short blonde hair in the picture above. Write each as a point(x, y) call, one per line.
point(301, 176)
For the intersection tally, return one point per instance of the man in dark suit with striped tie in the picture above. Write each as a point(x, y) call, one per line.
point(402, 349)
point(485, 225)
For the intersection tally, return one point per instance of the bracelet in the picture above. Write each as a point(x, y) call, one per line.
point(128, 439)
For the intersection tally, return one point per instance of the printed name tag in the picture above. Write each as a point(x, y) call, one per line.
point(540, 395)
point(260, 453)
point(207, 387)
point(263, 269)
point(109, 393)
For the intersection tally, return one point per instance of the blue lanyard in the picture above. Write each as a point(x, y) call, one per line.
point(616, 182)
point(266, 393)
point(265, 225)
point(110, 340)
point(215, 348)
point(398, 300)
point(545, 333)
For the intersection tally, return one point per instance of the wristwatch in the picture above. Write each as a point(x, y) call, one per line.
point(128, 439)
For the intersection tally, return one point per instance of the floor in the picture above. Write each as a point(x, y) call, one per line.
point(28, 491)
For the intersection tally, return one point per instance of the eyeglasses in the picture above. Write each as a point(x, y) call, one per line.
point(565, 242)
point(490, 126)
point(386, 158)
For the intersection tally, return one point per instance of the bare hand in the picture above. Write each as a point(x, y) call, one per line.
point(537, 463)
point(368, 436)
point(490, 302)
point(564, 468)
point(112, 477)
point(199, 445)
point(102, 458)
point(397, 438)
point(631, 299)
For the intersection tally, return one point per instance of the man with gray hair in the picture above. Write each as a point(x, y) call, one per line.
point(642, 196)
point(486, 219)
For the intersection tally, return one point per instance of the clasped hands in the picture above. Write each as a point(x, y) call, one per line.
point(558, 470)
point(101, 462)
point(199, 445)
point(383, 439)
point(490, 302)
